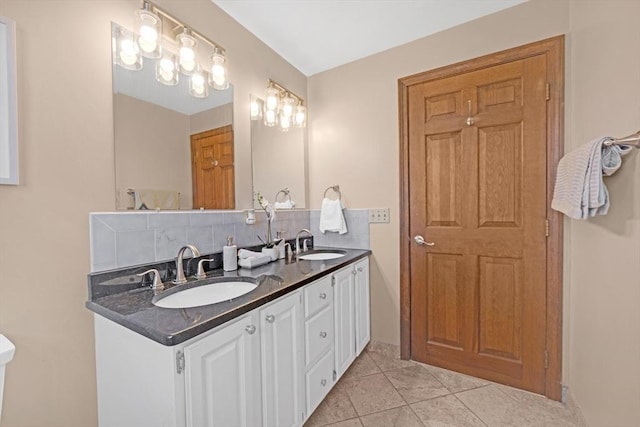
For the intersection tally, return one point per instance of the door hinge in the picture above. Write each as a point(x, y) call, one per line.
point(546, 227)
point(548, 91)
point(335, 375)
point(546, 359)
point(179, 361)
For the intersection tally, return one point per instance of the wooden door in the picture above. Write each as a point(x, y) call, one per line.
point(212, 169)
point(476, 191)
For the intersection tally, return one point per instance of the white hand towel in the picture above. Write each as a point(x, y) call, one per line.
point(245, 253)
point(288, 204)
point(579, 190)
point(331, 216)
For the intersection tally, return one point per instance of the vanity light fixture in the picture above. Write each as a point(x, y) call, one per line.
point(284, 107)
point(175, 48)
point(256, 107)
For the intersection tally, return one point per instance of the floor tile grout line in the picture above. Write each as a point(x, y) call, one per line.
point(471, 410)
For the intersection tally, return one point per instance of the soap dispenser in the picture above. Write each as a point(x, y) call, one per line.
point(230, 256)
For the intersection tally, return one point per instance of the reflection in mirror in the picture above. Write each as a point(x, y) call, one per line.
point(172, 150)
point(8, 105)
point(278, 163)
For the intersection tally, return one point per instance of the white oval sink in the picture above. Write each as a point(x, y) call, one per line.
point(321, 255)
point(206, 294)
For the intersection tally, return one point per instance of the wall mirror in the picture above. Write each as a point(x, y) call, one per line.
point(279, 163)
point(8, 104)
point(159, 131)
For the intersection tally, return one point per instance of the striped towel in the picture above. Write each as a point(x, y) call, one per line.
point(579, 190)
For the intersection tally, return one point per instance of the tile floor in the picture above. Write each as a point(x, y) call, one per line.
point(383, 391)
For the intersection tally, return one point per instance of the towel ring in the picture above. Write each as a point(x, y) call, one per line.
point(287, 195)
point(336, 189)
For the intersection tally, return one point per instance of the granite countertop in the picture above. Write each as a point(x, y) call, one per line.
point(125, 300)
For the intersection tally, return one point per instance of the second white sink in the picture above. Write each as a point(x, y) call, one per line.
point(206, 294)
point(321, 255)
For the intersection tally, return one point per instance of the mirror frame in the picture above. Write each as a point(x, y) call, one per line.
point(8, 104)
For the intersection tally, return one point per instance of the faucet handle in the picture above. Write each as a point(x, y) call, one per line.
point(200, 274)
point(157, 284)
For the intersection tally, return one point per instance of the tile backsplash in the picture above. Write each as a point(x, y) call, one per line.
point(121, 239)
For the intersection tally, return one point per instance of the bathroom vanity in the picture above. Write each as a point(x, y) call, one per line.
point(267, 358)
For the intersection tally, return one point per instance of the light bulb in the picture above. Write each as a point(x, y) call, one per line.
point(270, 118)
point(187, 52)
point(197, 86)
point(218, 76)
point(166, 70)
point(255, 108)
point(149, 27)
point(285, 122)
point(128, 52)
point(300, 118)
point(271, 98)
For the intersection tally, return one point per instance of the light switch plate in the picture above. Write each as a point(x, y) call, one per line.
point(378, 215)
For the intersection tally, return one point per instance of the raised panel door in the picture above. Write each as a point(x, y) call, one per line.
point(281, 350)
point(362, 307)
point(344, 319)
point(222, 377)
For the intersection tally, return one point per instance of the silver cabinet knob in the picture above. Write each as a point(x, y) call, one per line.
point(354, 272)
point(323, 334)
point(360, 269)
point(323, 296)
point(251, 329)
point(270, 318)
point(323, 382)
point(420, 241)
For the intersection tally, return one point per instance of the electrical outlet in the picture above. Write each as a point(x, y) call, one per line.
point(379, 215)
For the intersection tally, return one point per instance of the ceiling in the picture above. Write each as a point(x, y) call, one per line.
point(317, 35)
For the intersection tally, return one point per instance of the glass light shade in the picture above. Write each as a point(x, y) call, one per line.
point(198, 84)
point(271, 98)
point(300, 116)
point(149, 28)
point(270, 117)
point(287, 105)
point(256, 108)
point(167, 69)
point(126, 51)
point(285, 122)
point(218, 76)
point(188, 45)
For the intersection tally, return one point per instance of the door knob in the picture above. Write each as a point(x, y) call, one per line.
point(250, 329)
point(420, 241)
point(270, 318)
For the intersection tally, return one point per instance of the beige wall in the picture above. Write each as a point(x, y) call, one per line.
point(67, 171)
point(353, 125)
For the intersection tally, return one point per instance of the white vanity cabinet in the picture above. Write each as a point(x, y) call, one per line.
point(270, 367)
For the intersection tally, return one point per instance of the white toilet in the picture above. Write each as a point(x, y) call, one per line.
point(7, 349)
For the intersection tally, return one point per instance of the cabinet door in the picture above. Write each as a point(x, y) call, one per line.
point(222, 370)
point(363, 320)
point(344, 320)
point(281, 342)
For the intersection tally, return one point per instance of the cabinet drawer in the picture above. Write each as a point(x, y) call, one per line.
point(317, 295)
point(318, 335)
point(319, 381)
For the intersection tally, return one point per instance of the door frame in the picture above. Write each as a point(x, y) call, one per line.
point(553, 48)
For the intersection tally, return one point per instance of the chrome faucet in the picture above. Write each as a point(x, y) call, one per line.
point(304, 230)
point(180, 279)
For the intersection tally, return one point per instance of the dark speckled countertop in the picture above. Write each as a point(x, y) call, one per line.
point(121, 296)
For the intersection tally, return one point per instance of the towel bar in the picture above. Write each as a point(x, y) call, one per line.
point(632, 140)
point(336, 189)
